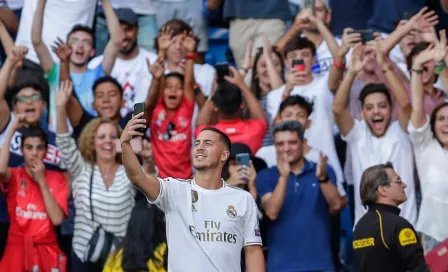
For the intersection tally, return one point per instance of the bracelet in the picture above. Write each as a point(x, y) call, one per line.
point(325, 180)
point(340, 66)
point(386, 69)
point(417, 71)
point(191, 56)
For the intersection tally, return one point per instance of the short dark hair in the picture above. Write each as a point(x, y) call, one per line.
point(374, 88)
point(418, 48)
point(33, 132)
point(222, 137)
point(371, 179)
point(82, 28)
point(178, 27)
point(296, 100)
point(27, 84)
point(432, 121)
point(107, 79)
point(291, 126)
point(299, 43)
point(227, 98)
point(175, 75)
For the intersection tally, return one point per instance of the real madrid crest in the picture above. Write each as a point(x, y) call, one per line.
point(194, 196)
point(231, 212)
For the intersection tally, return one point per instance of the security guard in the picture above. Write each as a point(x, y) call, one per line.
point(383, 241)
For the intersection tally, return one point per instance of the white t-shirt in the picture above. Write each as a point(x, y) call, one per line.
point(320, 133)
point(206, 229)
point(143, 7)
point(133, 75)
point(59, 18)
point(4, 132)
point(432, 161)
point(367, 150)
point(14, 4)
point(269, 155)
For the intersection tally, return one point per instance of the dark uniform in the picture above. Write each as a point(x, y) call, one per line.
point(383, 241)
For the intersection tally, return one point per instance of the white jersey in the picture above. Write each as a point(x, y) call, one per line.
point(206, 229)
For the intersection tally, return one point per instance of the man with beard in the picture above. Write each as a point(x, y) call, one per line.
point(205, 215)
point(131, 67)
point(80, 39)
point(376, 139)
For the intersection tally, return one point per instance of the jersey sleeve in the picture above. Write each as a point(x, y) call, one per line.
point(422, 136)
point(169, 192)
point(252, 234)
point(409, 247)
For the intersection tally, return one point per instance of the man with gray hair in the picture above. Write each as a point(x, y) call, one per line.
point(382, 240)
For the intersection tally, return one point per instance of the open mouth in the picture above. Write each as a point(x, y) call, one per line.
point(377, 122)
point(107, 147)
point(79, 53)
point(198, 156)
point(172, 97)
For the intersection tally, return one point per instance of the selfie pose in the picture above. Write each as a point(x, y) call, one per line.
point(102, 193)
point(205, 215)
point(37, 202)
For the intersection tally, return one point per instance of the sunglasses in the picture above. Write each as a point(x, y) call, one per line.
point(27, 98)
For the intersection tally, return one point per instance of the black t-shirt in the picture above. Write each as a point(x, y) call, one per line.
point(86, 118)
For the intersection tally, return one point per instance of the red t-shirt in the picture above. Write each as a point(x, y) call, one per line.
point(172, 155)
point(248, 132)
point(29, 218)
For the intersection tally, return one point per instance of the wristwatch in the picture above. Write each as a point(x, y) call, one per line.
point(325, 180)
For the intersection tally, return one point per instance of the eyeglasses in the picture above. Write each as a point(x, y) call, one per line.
point(26, 98)
point(398, 181)
point(75, 41)
point(169, 131)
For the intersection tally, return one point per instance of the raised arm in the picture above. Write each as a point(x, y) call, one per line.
point(42, 51)
point(5, 37)
point(299, 24)
point(5, 172)
point(349, 40)
point(418, 115)
point(190, 45)
point(9, 18)
point(149, 185)
point(156, 69)
point(342, 116)
point(17, 55)
point(396, 86)
point(418, 22)
point(255, 109)
point(116, 36)
point(275, 79)
point(329, 190)
point(273, 202)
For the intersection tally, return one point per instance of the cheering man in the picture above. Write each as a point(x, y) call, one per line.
point(208, 221)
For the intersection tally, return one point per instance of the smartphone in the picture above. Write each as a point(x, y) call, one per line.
point(309, 4)
point(243, 159)
point(138, 108)
point(298, 64)
point(366, 35)
point(222, 70)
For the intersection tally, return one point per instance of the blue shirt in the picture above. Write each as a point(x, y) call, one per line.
point(350, 13)
point(257, 9)
point(386, 12)
point(299, 240)
point(82, 85)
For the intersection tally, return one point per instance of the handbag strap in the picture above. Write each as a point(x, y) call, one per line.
point(90, 195)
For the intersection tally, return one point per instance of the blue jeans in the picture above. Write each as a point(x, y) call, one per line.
point(148, 31)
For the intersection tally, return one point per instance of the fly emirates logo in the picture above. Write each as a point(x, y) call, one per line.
point(30, 212)
point(212, 233)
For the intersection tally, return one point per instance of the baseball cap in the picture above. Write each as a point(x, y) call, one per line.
point(126, 15)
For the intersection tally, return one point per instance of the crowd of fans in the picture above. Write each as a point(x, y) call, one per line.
point(306, 95)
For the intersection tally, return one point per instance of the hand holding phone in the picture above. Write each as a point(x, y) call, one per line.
point(138, 108)
point(243, 159)
point(222, 70)
point(366, 35)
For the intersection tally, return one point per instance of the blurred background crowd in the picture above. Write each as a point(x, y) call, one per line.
point(292, 83)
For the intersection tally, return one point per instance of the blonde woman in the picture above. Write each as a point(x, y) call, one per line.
point(102, 193)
